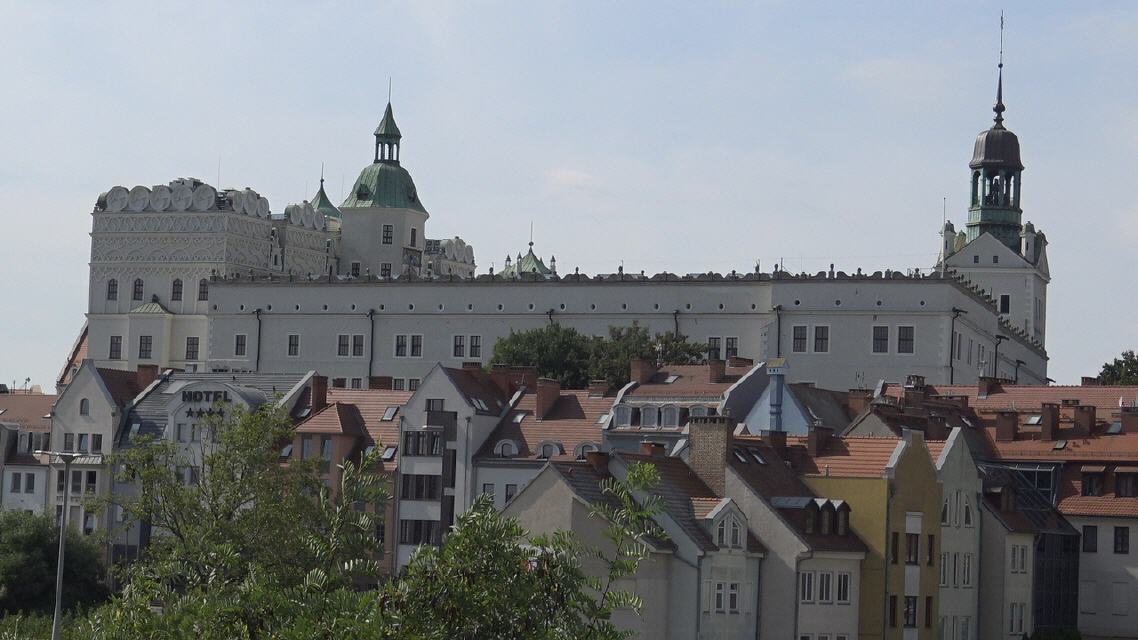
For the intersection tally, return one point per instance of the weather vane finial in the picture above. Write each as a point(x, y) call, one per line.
point(1001, 57)
point(999, 108)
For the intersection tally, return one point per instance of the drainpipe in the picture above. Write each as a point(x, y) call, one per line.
point(777, 330)
point(676, 321)
point(257, 363)
point(1018, 363)
point(952, 344)
point(776, 401)
point(370, 341)
point(550, 315)
point(996, 356)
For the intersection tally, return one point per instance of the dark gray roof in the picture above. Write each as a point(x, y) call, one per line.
point(831, 408)
point(1033, 513)
point(150, 412)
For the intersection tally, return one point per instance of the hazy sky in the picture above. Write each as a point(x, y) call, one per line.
point(683, 137)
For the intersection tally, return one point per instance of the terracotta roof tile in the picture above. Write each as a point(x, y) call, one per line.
point(123, 385)
point(1031, 397)
point(692, 381)
point(372, 404)
point(572, 421)
point(29, 410)
point(846, 456)
point(338, 417)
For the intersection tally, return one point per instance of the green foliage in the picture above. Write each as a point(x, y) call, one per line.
point(29, 547)
point(1122, 371)
point(574, 359)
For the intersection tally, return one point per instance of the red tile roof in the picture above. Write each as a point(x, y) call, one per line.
point(476, 384)
point(572, 421)
point(371, 405)
point(29, 410)
point(693, 381)
point(122, 385)
point(846, 457)
point(338, 417)
point(1031, 397)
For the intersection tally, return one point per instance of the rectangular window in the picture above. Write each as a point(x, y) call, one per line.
point(912, 548)
point(29, 483)
point(965, 627)
point(931, 551)
point(733, 597)
point(928, 612)
point(192, 348)
point(459, 347)
point(181, 432)
point(732, 347)
point(239, 344)
point(511, 491)
point(355, 270)
point(398, 384)
point(69, 442)
point(1092, 484)
point(488, 488)
point(798, 341)
point(895, 547)
point(475, 346)
point(92, 481)
point(1005, 303)
point(843, 588)
point(825, 587)
point(83, 442)
point(893, 611)
point(416, 346)
point(806, 587)
point(713, 352)
point(388, 233)
point(400, 346)
point(944, 569)
point(412, 384)
point(1122, 539)
point(76, 482)
point(96, 443)
point(357, 345)
point(115, 352)
point(16, 478)
point(385, 270)
point(905, 339)
point(145, 347)
point(910, 611)
point(821, 339)
point(357, 383)
point(60, 481)
point(966, 571)
point(1127, 485)
point(720, 603)
point(343, 345)
point(959, 342)
point(881, 339)
point(293, 345)
point(414, 237)
point(305, 446)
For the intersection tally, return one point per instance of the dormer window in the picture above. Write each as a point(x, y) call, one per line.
point(670, 417)
point(699, 412)
point(827, 514)
point(729, 533)
point(649, 417)
point(1092, 480)
point(506, 449)
point(811, 517)
point(584, 449)
point(548, 450)
point(843, 520)
point(622, 416)
point(1126, 484)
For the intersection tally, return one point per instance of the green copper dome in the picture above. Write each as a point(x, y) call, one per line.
point(322, 203)
point(384, 184)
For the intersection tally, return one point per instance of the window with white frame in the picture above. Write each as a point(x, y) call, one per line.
point(401, 346)
point(649, 416)
point(713, 348)
point(293, 345)
point(843, 595)
point(967, 517)
point(240, 342)
point(622, 415)
point(548, 450)
point(906, 339)
point(821, 339)
point(825, 587)
point(475, 346)
point(881, 339)
point(670, 416)
point(966, 570)
point(388, 234)
point(459, 350)
point(355, 269)
point(412, 384)
point(944, 568)
point(720, 597)
point(357, 345)
point(416, 346)
point(343, 345)
point(732, 347)
point(733, 597)
point(385, 270)
point(806, 587)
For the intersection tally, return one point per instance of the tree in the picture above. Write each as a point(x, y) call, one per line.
point(1123, 371)
point(29, 546)
point(611, 357)
point(560, 353)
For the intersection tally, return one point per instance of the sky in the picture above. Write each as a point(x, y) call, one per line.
point(662, 136)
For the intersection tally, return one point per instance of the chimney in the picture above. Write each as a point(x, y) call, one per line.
point(1049, 421)
point(716, 370)
point(146, 374)
point(653, 449)
point(937, 428)
point(508, 378)
point(739, 362)
point(599, 461)
point(858, 400)
point(319, 393)
point(1007, 426)
point(710, 441)
point(1129, 418)
point(915, 391)
point(776, 440)
point(379, 382)
point(1089, 381)
point(986, 386)
point(548, 391)
point(642, 371)
point(817, 439)
point(598, 388)
point(1084, 419)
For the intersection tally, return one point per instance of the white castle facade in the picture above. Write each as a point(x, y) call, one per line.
point(184, 276)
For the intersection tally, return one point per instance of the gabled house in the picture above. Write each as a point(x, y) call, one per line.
point(700, 581)
point(25, 427)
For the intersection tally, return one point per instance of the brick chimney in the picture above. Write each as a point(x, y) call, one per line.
point(598, 388)
point(599, 461)
point(1089, 381)
point(508, 379)
point(547, 393)
point(1129, 418)
point(1007, 426)
point(858, 400)
point(915, 390)
point(146, 374)
point(936, 428)
point(710, 440)
point(716, 370)
point(776, 440)
point(319, 393)
point(654, 449)
point(986, 386)
point(642, 371)
point(817, 439)
point(1049, 421)
point(1084, 419)
point(379, 382)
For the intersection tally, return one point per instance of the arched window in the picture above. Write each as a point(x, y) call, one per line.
point(622, 416)
point(203, 289)
point(112, 289)
point(548, 450)
point(944, 512)
point(827, 520)
point(84, 407)
point(136, 291)
point(506, 449)
point(649, 417)
point(670, 417)
point(176, 289)
point(584, 449)
point(721, 533)
point(736, 534)
point(967, 513)
point(843, 520)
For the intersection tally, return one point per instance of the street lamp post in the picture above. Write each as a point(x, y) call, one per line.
point(67, 457)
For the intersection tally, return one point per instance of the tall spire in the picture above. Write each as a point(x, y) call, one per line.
point(387, 138)
point(999, 107)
